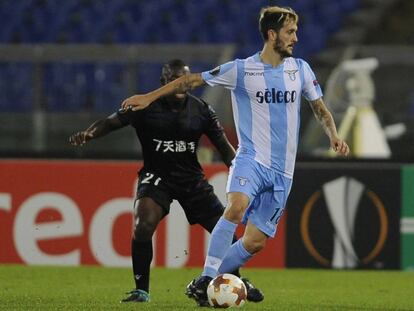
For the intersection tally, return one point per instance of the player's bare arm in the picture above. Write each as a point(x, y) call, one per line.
point(181, 85)
point(325, 118)
point(97, 129)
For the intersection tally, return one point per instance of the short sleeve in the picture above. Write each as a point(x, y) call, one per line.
point(224, 75)
point(311, 89)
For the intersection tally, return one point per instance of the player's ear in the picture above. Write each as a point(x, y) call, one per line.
point(272, 35)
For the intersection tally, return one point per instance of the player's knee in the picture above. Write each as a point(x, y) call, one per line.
point(253, 246)
point(144, 230)
point(234, 213)
point(236, 206)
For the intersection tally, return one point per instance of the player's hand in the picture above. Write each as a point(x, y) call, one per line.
point(80, 138)
point(339, 146)
point(136, 102)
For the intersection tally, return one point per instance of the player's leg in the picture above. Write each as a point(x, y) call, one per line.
point(201, 206)
point(147, 215)
point(222, 234)
point(208, 224)
point(203, 203)
point(220, 241)
point(268, 208)
point(262, 219)
point(242, 185)
point(253, 293)
point(152, 204)
point(252, 242)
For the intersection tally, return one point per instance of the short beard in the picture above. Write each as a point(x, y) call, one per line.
point(277, 47)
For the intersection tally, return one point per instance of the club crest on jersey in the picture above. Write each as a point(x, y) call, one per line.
point(214, 71)
point(242, 180)
point(292, 74)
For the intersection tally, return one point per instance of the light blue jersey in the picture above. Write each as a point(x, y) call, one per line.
point(266, 106)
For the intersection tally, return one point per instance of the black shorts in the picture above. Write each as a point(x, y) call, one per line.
point(197, 199)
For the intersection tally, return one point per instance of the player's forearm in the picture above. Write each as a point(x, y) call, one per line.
point(181, 85)
point(328, 124)
point(228, 156)
point(98, 128)
point(325, 118)
point(102, 127)
point(226, 150)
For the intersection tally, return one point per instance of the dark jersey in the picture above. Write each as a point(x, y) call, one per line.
point(169, 139)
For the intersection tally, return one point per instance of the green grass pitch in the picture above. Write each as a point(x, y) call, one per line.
point(96, 288)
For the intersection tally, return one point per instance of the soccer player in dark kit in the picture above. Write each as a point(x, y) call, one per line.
point(169, 131)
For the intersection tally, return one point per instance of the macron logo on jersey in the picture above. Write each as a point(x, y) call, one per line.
point(253, 73)
point(275, 96)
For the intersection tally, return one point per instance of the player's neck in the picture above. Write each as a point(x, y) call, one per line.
point(269, 56)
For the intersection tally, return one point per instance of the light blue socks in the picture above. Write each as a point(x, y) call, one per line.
point(220, 242)
point(235, 258)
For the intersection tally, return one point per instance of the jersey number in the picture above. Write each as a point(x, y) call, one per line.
point(148, 177)
point(276, 214)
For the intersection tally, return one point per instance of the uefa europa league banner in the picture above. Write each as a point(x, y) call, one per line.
point(345, 216)
point(80, 212)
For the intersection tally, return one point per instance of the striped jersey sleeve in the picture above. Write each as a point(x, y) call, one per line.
point(311, 89)
point(224, 75)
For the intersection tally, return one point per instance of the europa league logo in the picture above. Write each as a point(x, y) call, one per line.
point(342, 197)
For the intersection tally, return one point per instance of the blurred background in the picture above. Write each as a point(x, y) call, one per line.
point(66, 64)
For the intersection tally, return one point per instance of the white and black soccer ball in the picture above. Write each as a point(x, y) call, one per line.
point(226, 290)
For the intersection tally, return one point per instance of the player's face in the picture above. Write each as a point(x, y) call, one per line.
point(286, 38)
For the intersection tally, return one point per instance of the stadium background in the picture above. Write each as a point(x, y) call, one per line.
point(65, 64)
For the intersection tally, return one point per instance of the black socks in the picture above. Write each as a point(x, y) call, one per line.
point(141, 260)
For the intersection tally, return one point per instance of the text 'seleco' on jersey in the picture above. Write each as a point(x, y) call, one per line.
point(169, 139)
point(266, 106)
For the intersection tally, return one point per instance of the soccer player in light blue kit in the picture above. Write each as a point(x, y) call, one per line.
point(266, 91)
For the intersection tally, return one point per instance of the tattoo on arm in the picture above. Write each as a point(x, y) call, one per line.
point(324, 117)
point(189, 82)
point(183, 86)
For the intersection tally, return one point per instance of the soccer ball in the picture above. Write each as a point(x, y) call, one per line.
point(225, 291)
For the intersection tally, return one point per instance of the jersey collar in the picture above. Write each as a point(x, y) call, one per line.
point(257, 59)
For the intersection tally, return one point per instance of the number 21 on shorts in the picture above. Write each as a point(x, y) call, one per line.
point(148, 179)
